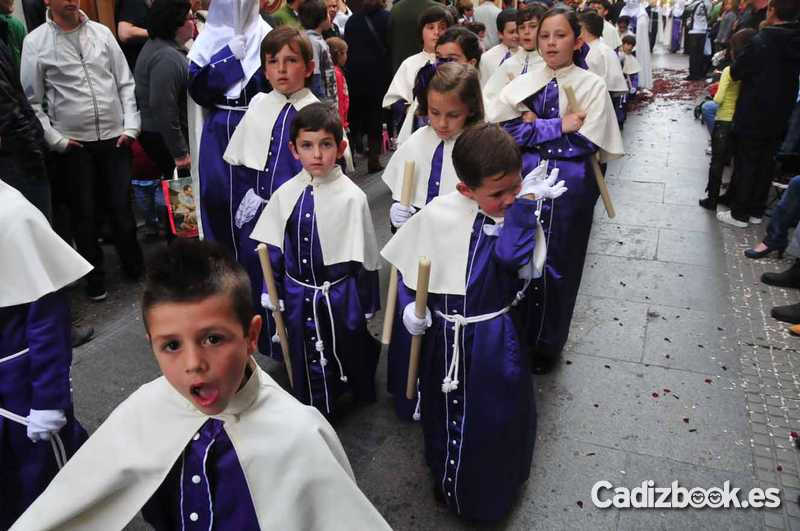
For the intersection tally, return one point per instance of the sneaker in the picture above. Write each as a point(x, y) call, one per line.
point(727, 217)
point(96, 290)
point(755, 221)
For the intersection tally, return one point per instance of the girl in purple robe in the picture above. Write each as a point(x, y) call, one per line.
point(453, 102)
point(325, 260)
point(484, 243)
point(38, 430)
point(533, 109)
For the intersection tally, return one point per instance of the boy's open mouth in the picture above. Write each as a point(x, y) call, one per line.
point(204, 394)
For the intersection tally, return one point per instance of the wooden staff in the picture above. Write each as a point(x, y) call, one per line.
point(598, 173)
point(420, 305)
point(266, 269)
point(391, 294)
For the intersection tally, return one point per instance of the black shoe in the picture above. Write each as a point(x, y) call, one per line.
point(96, 289)
point(755, 255)
point(786, 279)
point(81, 335)
point(541, 364)
point(787, 314)
point(708, 203)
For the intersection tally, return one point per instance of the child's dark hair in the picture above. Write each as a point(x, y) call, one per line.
point(592, 22)
point(464, 81)
point(533, 11)
point(286, 36)
point(165, 17)
point(468, 41)
point(569, 14)
point(739, 40)
point(312, 13)
point(629, 39)
point(193, 270)
point(624, 19)
point(605, 3)
point(317, 117)
point(505, 16)
point(338, 47)
point(434, 14)
point(785, 10)
point(469, 154)
point(475, 27)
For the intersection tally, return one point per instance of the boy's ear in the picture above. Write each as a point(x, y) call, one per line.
point(293, 149)
point(578, 42)
point(310, 66)
point(252, 334)
point(342, 147)
point(465, 190)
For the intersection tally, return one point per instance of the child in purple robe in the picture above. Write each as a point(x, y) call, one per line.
point(484, 244)
point(214, 443)
point(453, 102)
point(534, 110)
point(38, 430)
point(325, 261)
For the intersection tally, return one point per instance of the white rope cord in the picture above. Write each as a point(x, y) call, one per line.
point(55, 440)
point(320, 345)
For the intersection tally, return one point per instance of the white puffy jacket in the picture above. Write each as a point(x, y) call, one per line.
point(88, 93)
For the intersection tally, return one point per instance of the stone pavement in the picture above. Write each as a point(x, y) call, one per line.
point(674, 369)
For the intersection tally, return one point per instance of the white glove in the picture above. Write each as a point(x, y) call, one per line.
point(43, 423)
point(399, 214)
point(266, 302)
point(541, 185)
point(415, 325)
point(237, 46)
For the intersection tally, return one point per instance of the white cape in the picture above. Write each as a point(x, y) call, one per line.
point(402, 87)
point(420, 148)
point(509, 71)
point(604, 62)
point(295, 467)
point(491, 60)
point(630, 65)
point(34, 260)
point(634, 10)
point(341, 210)
point(611, 35)
point(600, 125)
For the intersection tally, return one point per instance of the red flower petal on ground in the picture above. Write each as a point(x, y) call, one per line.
point(686, 420)
point(655, 395)
point(793, 435)
point(667, 390)
point(779, 468)
point(708, 380)
point(580, 504)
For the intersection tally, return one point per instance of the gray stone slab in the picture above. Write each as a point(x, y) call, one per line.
point(608, 328)
point(645, 281)
point(693, 340)
point(663, 472)
point(678, 217)
point(685, 193)
point(690, 247)
point(635, 192)
point(629, 417)
point(622, 240)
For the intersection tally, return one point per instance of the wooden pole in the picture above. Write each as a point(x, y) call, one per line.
point(266, 269)
point(420, 305)
point(391, 294)
point(598, 173)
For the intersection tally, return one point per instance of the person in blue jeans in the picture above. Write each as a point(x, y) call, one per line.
point(785, 215)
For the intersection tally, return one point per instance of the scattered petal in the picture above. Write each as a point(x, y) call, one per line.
point(779, 468)
point(589, 454)
point(668, 340)
point(724, 368)
point(666, 391)
point(607, 366)
point(597, 405)
point(654, 395)
point(686, 420)
point(666, 356)
point(700, 346)
point(707, 380)
point(568, 362)
point(580, 504)
point(692, 430)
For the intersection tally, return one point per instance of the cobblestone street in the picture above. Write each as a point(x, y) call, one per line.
point(674, 370)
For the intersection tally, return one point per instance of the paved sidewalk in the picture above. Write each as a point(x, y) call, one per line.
point(674, 369)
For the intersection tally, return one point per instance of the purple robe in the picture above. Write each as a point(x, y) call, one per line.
point(551, 298)
point(205, 489)
point(223, 186)
point(353, 293)
point(399, 348)
point(677, 33)
point(479, 437)
point(38, 379)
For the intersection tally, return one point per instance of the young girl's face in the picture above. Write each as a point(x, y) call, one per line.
point(447, 113)
point(286, 70)
point(527, 34)
point(341, 58)
point(627, 48)
point(430, 34)
point(557, 42)
point(451, 52)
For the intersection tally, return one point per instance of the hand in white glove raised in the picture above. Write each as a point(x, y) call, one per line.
point(415, 325)
point(266, 302)
point(43, 423)
point(237, 46)
point(399, 214)
point(541, 185)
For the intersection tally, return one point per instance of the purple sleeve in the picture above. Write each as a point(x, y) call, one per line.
point(278, 268)
point(517, 239)
point(49, 341)
point(398, 110)
point(567, 146)
point(368, 290)
point(634, 78)
point(532, 134)
point(209, 83)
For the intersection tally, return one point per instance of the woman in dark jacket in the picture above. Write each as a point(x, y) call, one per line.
point(368, 75)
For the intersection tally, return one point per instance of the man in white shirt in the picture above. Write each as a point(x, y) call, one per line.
point(487, 14)
point(697, 24)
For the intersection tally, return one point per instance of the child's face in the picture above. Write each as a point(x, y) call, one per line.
point(286, 70)
point(627, 47)
point(495, 194)
point(557, 42)
point(622, 27)
point(447, 113)
point(600, 9)
point(527, 34)
point(341, 57)
point(202, 349)
point(317, 151)
point(452, 52)
point(430, 34)
point(509, 35)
